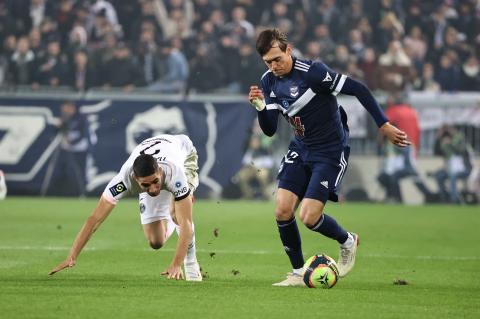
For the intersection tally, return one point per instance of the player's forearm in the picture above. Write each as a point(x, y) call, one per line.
point(363, 94)
point(83, 236)
point(184, 239)
point(99, 214)
point(268, 121)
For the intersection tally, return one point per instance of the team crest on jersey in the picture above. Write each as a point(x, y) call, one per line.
point(294, 91)
point(142, 208)
point(118, 189)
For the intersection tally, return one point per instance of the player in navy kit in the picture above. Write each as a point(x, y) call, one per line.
point(304, 93)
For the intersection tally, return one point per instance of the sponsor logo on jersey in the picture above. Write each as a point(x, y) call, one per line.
point(272, 94)
point(178, 184)
point(180, 192)
point(118, 189)
point(294, 91)
point(324, 183)
point(285, 104)
point(327, 78)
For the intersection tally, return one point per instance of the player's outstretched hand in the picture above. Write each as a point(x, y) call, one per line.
point(396, 136)
point(256, 98)
point(67, 263)
point(173, 272)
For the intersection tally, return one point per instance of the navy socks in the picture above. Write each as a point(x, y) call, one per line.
point(329, 227)
point(291, 241)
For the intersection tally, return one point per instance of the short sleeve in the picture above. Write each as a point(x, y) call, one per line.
point(176, 182)
point(117, 188)
point(324, 80)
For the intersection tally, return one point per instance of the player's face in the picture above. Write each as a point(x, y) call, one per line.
point(152, 184)
point(278, 61)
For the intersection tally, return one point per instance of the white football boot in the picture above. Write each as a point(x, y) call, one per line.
point(192, 271)
point(346, 259)
point(292, 279)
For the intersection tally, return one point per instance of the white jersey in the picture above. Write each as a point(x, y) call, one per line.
point(170, 151)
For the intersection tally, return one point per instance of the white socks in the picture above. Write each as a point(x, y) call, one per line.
point(349, 242)
point(191, 256)
point(298, 271)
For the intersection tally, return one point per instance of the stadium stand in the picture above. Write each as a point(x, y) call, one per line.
point(173, 45)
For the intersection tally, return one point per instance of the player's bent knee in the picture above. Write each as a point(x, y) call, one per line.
point(156, 244)
point(310, 217)
point(283, 213)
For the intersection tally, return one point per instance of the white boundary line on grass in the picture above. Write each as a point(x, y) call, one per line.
point(245, 252)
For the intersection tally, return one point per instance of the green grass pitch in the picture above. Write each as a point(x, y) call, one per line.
point(435, 249)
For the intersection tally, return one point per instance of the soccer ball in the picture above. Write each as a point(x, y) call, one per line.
point(321, 271)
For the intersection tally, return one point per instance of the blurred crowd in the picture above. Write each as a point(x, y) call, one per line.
point(171, 46)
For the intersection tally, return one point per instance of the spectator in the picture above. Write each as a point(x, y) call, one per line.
point(35, 40)
point(146, 20)
point(22, 62)
point(83, 75)
point(395, 68)
point(148, 57)
point(239, 28)
point(65, 18)
point(435, 29)
point(38, 10)
point(249, 66)
point(312, 51)
point(176, 69)
point(401, 163)
point(470, 74)
point(176, 22)
point(107, 12)
point(206, 73)
point(342, 59)
point(121, 71)
point(447, 74)
point(255, 178)
point(321, 34)
point(66, 169)
point(203, 9)
point(52, 68)
point(369, 67)
point(390, 29)
point(416, 47)
point(365, 28)
point(101, 27)
point(426, 82)
point(9, 47)
point(328, 13)
point(458, 162)
point(356, 45)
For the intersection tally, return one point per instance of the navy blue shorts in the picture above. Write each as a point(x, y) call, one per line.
point(318, 180)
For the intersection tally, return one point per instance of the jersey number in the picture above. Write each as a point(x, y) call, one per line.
point(296, 123)
point(150, 146)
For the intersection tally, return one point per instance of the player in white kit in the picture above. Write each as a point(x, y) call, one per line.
point(163, 171)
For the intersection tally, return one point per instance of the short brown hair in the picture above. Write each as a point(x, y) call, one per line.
point(268, 38)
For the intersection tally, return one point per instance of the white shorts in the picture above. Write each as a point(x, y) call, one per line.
point(157, 208)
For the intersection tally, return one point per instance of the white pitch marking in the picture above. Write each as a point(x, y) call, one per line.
point(246, 252)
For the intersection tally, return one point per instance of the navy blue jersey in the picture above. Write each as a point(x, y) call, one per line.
point(306, 98)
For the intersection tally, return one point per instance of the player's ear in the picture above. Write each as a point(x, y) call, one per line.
point(289, 49)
